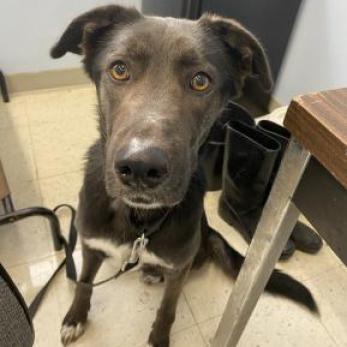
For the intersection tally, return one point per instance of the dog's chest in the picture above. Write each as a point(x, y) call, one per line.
point(120, 253)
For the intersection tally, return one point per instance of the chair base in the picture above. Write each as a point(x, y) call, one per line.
point(11, 216)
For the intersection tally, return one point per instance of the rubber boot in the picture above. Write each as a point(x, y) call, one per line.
point(212, 152)
point(249, 160)
point(304, 238)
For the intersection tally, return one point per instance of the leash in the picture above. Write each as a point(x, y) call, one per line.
point(139, 245)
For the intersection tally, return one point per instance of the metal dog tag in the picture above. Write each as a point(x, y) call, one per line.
point(139, 246)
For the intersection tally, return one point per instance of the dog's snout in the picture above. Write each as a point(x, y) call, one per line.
point(148, 167)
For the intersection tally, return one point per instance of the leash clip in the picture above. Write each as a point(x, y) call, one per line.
point(139, 246)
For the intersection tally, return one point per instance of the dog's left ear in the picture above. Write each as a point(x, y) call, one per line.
point(85, 31)
point(250, 57)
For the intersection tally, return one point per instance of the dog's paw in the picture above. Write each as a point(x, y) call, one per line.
point(149, 279)
point(158, 340)
point(70, 333)
point(149, 344)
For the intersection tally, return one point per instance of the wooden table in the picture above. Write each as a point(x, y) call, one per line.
point(313, 180)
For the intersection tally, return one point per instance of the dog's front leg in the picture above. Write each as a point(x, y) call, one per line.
point(75, 319)
point(160, 334)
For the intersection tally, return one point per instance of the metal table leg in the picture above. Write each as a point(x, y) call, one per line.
point(274, 228)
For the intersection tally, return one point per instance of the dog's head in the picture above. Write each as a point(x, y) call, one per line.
point(161, 84)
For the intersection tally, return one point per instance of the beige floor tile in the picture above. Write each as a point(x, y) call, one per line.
point(207, 291)
point(61, 105)
point(17, 155)
point(31, 276)
point(25, 241)
point(26, 194)
point(190, 337)
point(14, 113)
point(61, 189)
point(277, 323)
point(60, 147)
point(330, 290)
point(46, 106)
point(47, 324)
point(304, 266)
point(63, 125)
point(81, 102)
point(126, 308)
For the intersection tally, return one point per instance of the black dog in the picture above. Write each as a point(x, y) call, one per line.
point(161, 84)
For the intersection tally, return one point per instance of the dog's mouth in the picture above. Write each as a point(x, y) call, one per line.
point(141, 201)
point(145, 202)
point(142, 205)
point(166, 195)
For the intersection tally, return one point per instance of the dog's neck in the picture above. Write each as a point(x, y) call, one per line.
point(139, 217)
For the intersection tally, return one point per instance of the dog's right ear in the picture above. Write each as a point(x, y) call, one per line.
point(245, 48)
point(77, 36)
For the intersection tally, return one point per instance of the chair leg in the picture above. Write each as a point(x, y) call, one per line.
point(274, 228)
point(7, 204)
point(3, 87)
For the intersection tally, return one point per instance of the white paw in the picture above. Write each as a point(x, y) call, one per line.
point(70, 333)
point(150, 279)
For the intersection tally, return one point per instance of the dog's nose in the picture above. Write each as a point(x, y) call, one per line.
point(148, 167)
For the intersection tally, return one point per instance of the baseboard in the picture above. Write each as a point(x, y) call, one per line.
point(22, 82)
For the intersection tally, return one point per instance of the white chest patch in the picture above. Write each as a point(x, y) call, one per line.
point(118, 253)
point(121, 253)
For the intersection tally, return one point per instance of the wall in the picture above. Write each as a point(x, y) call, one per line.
point(29, 28)
point(316, 58)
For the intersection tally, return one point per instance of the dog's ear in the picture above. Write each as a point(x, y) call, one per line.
point(250, 56)
point(79, 35)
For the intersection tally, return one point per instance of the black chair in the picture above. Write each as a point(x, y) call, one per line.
point(16, 328)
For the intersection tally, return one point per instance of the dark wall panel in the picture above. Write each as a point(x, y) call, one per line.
point(270, 20)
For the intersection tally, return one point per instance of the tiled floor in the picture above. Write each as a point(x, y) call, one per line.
point(43, 137)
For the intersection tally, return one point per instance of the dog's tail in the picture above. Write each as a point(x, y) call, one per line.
point(279, 283)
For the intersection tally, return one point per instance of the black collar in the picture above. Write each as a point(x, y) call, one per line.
point(148, 225)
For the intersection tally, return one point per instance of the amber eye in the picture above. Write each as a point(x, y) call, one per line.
point(119, 71)
point(200, 82)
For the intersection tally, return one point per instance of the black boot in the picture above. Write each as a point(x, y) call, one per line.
point(212, 151)
point(249, 160)
point(303, 236)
